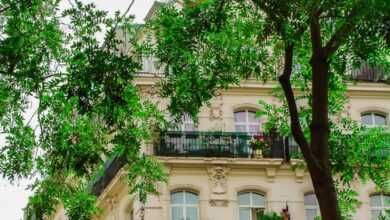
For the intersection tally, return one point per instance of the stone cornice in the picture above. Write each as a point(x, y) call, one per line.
point(254, 87)
point(231, 162)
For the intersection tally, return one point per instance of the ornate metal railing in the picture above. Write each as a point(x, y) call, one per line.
point(222, 144)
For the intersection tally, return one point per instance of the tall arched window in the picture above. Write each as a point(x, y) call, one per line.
point(184, 205)
point(246, 121)
point(186, 123)
point(379, 204)
point(251, 205)
point(312, 208)
point(373, 119)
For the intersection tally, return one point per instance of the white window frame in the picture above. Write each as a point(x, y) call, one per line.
point(246, 123)
point(184, 206)
point(382, 208)
point(187, 120)
point(250, 206)
point(372, 114)
point(312, 207)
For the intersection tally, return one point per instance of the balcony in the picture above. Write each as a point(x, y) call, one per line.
point(223, 144)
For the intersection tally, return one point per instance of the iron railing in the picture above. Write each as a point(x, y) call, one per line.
point(221, 144)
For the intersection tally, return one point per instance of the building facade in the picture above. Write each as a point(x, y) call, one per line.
point(214, 174)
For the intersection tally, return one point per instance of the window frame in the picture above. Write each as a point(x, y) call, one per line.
point(372, 115)
point(311, 207)
point(186, 119)
point(251, 206)
point(184, 205)
point(246, 123)
point(383, 207)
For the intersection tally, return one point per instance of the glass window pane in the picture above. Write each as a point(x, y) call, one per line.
point(258, 200)
point(375, 201)
point(241, 128)
point(244, 199)
point(240, 116)
point(310, 199)
point(245, 214)
point(252, 117)
point(187, 117)
point(375, 214)
point(177, 198)
point(192, 213)
point(380, 119)
point(189, 127)
point(254, 128)
point(367, 119)
point(386, 200)
point(177, 213)
point(311, 214)
point(191, 198)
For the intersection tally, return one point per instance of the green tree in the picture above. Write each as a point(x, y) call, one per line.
point(208, 45)
point(86, 106)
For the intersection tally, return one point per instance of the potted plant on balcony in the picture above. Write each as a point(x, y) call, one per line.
point(260, 146)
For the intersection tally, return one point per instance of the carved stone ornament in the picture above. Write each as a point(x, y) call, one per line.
point(218, 179)
point(270, 173)
point(150, 91)
point(299, 174)
point(216, 107)
point(111, 201)
point(216, 112)
point(219, 203)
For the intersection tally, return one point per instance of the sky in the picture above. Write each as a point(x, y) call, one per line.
point(14, 197)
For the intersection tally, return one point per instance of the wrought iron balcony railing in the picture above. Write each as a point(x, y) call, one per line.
point(223, 144)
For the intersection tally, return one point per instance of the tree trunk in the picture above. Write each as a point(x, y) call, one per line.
point(322, 176)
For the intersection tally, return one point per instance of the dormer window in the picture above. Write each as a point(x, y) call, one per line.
point(373, 119)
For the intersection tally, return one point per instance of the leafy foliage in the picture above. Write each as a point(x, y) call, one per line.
point(86, 106)
point(211, 45)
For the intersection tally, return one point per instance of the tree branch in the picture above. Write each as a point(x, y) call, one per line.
point(4, 9)
point(343, 32)
point(296, 128)
point(119, 20)
point(315, 32)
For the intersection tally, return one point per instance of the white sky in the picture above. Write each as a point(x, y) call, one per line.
point(14, 197)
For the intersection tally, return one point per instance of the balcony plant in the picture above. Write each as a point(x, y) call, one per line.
point(261, 145)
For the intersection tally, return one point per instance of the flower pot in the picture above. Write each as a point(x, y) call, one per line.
point(258, 153)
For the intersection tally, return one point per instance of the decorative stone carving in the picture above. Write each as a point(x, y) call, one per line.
point(218, 185)
point(219, 203)
point(111, 202)
point(218, 179)
point(299, 174)
point(216, 107)
point(270, 173)
point(151, 91)
point(216, 112)
point(140, 214)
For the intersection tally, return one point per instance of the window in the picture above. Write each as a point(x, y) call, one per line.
point(251, 205)
point(373, 119)
point(186, 124)
point(379, 204)
point(246, 121)
point(312, 208)
point(184, 206)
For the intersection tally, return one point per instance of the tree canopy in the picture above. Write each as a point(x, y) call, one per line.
point(310, 47)
point(86, 107)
